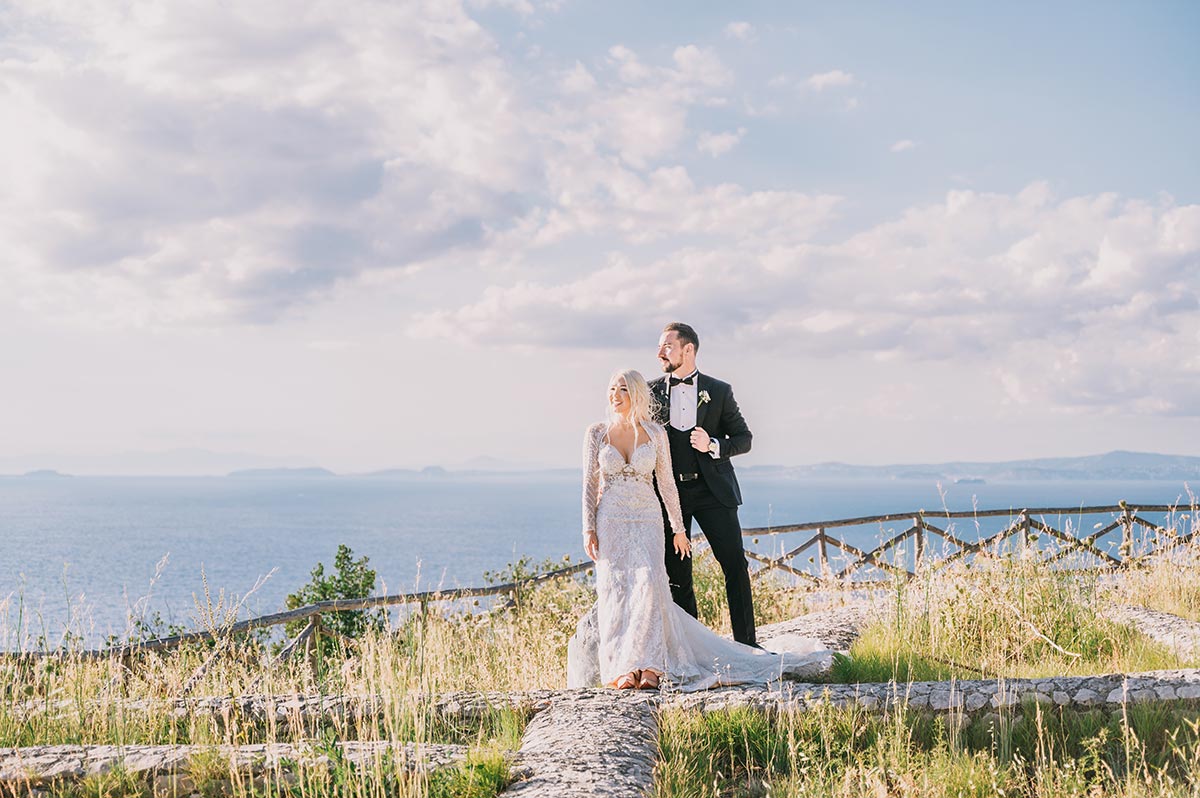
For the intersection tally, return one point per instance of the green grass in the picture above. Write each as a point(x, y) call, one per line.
point(847, 752)
point(890, 652)
point(1170, 585)
point(484, 774)
point(1008, 616)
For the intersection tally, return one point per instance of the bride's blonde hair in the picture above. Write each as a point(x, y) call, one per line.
point(639, 397)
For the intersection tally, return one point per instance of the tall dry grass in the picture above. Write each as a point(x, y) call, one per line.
point(1001, 615)
point(846, 753)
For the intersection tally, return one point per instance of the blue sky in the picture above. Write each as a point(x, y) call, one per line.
point(1102, 96)
point(377, 234)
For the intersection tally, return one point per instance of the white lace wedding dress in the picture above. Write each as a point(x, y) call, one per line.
point(639, 626)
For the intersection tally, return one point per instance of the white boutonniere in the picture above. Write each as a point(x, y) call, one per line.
point(704, 397)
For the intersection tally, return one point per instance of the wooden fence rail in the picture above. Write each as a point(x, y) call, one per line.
point(1024, 526)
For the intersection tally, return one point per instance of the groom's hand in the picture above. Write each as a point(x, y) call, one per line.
point(700, 439)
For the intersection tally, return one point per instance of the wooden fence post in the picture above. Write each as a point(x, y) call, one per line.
point(822, 554)
point(1126, 550)
point(919, 525)
point(313, 647)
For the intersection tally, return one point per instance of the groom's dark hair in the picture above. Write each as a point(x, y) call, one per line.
point(685, 333)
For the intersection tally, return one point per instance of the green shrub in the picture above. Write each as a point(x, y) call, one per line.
point(351, 579)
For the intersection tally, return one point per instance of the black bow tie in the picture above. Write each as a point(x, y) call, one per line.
point(686, 380)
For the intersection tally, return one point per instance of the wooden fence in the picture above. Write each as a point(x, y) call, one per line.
point(888, 558)
point(1023, 528)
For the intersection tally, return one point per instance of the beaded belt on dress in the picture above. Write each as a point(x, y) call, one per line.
point(628, 472)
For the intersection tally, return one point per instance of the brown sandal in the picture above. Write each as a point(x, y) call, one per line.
point(628, 681)
point(648, 681)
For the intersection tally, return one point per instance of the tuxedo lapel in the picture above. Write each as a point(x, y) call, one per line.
point(702, 390)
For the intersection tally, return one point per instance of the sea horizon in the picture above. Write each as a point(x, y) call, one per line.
point(82, 553)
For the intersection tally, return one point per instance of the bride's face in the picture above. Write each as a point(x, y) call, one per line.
point(618, 397)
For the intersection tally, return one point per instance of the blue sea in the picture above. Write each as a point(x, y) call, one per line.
point(82, 552)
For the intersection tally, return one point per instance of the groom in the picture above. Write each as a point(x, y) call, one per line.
point(705, 429)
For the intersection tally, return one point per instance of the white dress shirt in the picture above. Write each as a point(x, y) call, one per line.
point(684, 403)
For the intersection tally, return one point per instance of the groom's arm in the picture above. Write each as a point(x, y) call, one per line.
point(735, 435)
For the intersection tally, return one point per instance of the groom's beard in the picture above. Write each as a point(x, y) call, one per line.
point(669, 367)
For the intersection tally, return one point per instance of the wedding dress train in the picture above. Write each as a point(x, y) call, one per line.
point(637, 625)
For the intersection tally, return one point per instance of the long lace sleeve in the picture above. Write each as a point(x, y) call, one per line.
point(665, 478)
point(591, 476)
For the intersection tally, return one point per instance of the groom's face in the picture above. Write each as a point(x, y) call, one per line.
point(671, 351)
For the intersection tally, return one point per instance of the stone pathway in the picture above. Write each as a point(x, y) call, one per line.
point(589, 743)
point(171, 765)
point(310, 709)
point(1178, 634)
point(836, 628)
point(1110, 691)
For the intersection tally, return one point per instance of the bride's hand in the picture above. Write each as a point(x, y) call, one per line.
point(591, 545)
point(683, 546)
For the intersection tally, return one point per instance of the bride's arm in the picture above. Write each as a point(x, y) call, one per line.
point(667, 488)
point(591, 488)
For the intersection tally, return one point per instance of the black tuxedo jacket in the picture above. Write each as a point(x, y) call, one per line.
point(720, 418)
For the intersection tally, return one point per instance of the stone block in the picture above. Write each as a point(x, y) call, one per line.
point(583, 652)
point(941, 700)
point(976, 701)
point(1005, 700)
point(1143, 696)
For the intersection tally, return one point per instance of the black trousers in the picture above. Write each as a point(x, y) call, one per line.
point(724, 534)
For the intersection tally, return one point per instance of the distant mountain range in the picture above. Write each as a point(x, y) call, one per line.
point(1113, 465)
point(1118, 465)
point(44, 473)
point(282, 472)
point(175, 462)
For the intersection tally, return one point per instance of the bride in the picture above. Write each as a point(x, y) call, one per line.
point(644, 637)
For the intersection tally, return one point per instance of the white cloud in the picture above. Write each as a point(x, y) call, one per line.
point(600, 198)
point(578, 81)
point(633, 109)
point(701, 67)
point(630, 68)
point(742, 31)
point(716, 144)
point(903, 145)
point(281, 156)
point(1050, 294)
point(523, 8)
point(829, 80)
point(201, 161)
